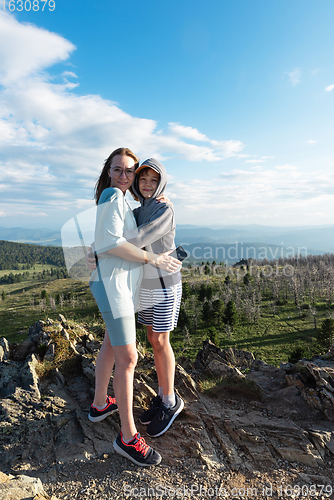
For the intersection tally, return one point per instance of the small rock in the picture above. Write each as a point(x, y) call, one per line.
point(30, 380)
point(63, 321)
point(4, 349)
point(65, 334)
point(50, 353)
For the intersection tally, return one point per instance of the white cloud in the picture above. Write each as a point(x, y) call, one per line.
point(53, 142)
point(311, 141)
point(330, 88)
point(255, 195)
point(22, 214)
point(188, 132)
point(69, 73)
point(294, 76)
point(25, 49)
point(228, 148)
point(215, 150)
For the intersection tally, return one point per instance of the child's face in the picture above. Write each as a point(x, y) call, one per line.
point(148, 183)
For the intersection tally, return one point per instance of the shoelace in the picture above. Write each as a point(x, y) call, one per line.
point(111, 401)
point(141, 445)
point(164, 412)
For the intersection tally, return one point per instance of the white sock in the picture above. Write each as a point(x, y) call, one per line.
point(128, 441)
point(161, 392)
point(169, 401)
point(101, 407)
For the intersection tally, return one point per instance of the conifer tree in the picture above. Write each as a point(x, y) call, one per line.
point(231, 314)
point(326, 334)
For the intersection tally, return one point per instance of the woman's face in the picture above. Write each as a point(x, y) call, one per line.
point(122, 172)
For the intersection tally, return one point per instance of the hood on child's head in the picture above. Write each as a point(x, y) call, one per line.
point(160, 169)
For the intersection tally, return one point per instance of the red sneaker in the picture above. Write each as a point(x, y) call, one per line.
point(96, 415)
point(137, 451)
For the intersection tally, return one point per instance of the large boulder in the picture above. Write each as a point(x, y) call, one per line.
point(22, 488)
point(223, 370)
point(231, 357)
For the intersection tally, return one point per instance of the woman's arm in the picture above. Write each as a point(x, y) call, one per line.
point(162, 221)
point(109, 233)
point(164, 261)
point(128, 251)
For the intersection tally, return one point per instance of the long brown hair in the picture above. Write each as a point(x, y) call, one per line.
point(104, 179)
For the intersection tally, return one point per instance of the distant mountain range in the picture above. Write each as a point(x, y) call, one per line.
point(281, 240)
point(45, 237)
point(316, 240)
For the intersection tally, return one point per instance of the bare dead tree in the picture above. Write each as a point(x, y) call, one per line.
point(313, 312)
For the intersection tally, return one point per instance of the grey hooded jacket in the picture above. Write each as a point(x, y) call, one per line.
point(156, 229)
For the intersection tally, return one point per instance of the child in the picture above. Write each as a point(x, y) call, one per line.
point(160, 292)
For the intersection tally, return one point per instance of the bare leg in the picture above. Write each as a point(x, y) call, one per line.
point(163, 358)
point(103, 370)
point(125, 362)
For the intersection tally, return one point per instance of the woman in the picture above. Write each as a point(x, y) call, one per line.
point(115, 286)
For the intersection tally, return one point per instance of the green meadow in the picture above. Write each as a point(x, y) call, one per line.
point(274, 315)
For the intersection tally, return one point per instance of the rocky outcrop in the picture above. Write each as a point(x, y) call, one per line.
point(222, 433)
point(22, 488)
point(230, 357)
point(315, 382)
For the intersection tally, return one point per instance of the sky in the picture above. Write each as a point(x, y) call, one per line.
point(235, 97)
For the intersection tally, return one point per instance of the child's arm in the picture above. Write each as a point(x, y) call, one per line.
point(162, 221)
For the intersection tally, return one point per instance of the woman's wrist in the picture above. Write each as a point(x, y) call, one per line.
point(150, 258)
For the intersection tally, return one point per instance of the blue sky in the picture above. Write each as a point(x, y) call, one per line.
point(236, 97)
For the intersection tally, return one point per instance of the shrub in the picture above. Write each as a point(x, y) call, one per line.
point(326, 333)
point(247, 279)
point(231, 314)
point(44, 295)
point(183, 318)
point(207, 313)
point(297, 354)
point(185, 291)
point(213, 335)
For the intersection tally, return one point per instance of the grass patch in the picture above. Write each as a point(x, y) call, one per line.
point(21, 307)
point(238, 388)
point(279, 330)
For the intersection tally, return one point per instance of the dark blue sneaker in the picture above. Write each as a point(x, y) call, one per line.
point(164, 418)
point(146, 417)
point(96, 415)
point(137, 451)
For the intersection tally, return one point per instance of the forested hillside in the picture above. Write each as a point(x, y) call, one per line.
point(23, 255)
